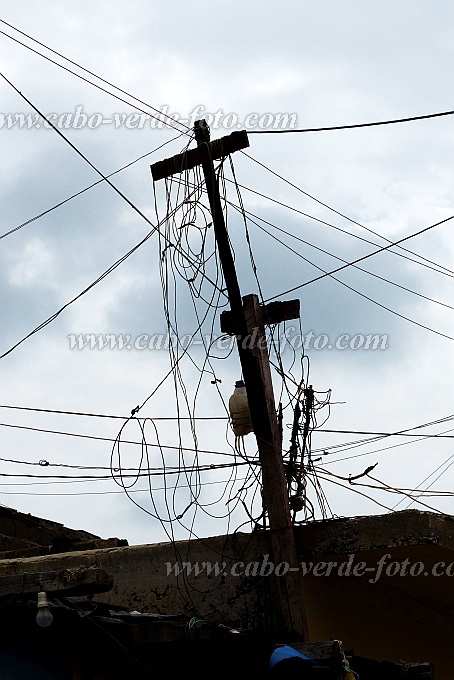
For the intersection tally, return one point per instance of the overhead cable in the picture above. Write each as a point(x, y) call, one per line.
point(365, 257)
point(161, 114)
point(82, 191)
point(354, 290)
point(118, 262)
point(337, 212)
point(392, 121)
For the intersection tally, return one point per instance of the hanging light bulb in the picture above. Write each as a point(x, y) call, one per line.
point(43, 618)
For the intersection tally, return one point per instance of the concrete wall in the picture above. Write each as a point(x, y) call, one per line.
point(397, 618)
point(142, 583)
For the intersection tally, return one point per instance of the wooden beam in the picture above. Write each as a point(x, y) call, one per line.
point(272, 313)
point(77, 581)
point(215, 150)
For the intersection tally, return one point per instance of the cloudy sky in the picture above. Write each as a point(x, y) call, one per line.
point(329, 64)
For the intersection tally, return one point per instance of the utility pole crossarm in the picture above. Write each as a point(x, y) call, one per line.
point(211, 151)
point(270, 314)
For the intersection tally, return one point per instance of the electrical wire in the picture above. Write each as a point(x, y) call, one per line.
point(138, 472)
point(97, 493)
point(401, 433)
point(82, 293)
point(180, 229)
point(161, 114)
point(355, 125)
point(105, 439)
point(326, 252)
point(365, 257)
point(79, 193)
point(354, 290)
point(354, 445)
point(100, 415)
point(450, 457)
point(245, 213)
point(346, 217)
point(118, 262)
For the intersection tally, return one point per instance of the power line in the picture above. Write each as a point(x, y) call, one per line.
point(244, 212)
point(382, 435)
point(57, 483)
point(67, 413)
point(318, 129)
point(337, 212)
point(375, 451)
point(365, 257)
point(100, 181)
point(367, 297)
point(107, 439)
point(326, 252)
point(429, 476)
point(87, 289)
point(79, 153)
point(71, 466)
point(350, 488)
point(103, 493)
point(372, 274)
point(118, 262)
point(401, 433)
point(346, 285)
point(83, 292)
point(103, 415)
point(441, 269)
point(386, 487)
point(355, 125)
point(112, 85)
point(171, 124)
point(383, 487)
point(153, 472)
point(388, 434)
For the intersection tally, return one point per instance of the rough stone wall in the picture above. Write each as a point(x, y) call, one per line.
point(399, 618)
point(142, 582)
point(375, 532)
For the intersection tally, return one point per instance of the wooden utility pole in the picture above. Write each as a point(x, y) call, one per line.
point(246, 320)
